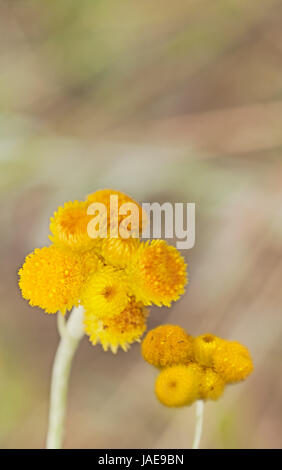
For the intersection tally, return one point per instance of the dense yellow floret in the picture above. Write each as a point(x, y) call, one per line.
point(158, 273)
point(52, 279)
point(91, 263)
point(69, 227)
point(119, 251)
point(177, 386)
point(232, 361)
point(167, 345)
point(119, 330)
point(204, 347)
point(103, 196)
point(106, 293)
point(211, 385)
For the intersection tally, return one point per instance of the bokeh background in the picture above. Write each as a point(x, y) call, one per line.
point(168, 101)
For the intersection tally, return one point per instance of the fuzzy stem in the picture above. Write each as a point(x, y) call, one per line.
point(71, 334)
point(199, 424)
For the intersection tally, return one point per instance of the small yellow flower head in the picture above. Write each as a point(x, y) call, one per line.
point(204, 347)
point(120, 330)
point(118, 251)
point(106, 293)
point(167, 345)
point(90, 262)
point(158, 273)
point(232, 361)
point(211, 385)
point(51, 279)
point(103, 196)
point(177, 386)
point(69, 227)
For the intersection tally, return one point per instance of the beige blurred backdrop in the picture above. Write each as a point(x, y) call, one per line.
point(169, 101)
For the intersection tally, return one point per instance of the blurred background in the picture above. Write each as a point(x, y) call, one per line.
point(169, 101)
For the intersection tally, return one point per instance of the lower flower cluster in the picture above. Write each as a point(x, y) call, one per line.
point(193, 368)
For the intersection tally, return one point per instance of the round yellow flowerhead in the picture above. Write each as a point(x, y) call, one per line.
point(119, 330)
point(69, 226)
point(103, 196)
point(119, 251)
point(167, 345)
point(52, 279)
point(90, 262)
point(204, 347)
point(211, 385)
point(158, 273)
point(106, 293)
point(177, 386)
point(232, 361)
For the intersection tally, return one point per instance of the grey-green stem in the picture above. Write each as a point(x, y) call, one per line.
point(199, 424)
point(71, 333)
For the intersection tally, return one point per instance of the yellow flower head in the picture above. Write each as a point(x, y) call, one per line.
point(91, 263)
point(167, 345)
point(158, 273)
point(104, 196)
point(177, 385)
point(106, 293)
point(204, 347)
point(118, 251)
point(211, 385)
point(119, 330)
point(232, 361)
point(51, 279)
point(208, 361)
point(69, 227)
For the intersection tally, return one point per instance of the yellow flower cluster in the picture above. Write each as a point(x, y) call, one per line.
point(114, 279)
point(193, 368)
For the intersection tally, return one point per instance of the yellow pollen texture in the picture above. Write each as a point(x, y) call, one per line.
point(69, 226)
point(120, 330)
point(106, 293)
point(90, 263)
point(118, 251)
point(204, 347)
point(211, 385)
point(167, 345)
point(159, 273)
point(177, 386)
point(232, 361)
point(52, 279)
point(103, 196)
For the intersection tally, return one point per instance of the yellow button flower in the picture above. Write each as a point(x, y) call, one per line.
point(119, 251)
point(158, 273)
point(119, 330)
point(232, 361)
point(52, 279)
point(167, 345)
point(211, 385)
point(177, 386)
point(91, 263)
point(69, 226)
point(106, 293)
point(204, 347)
point(103, 196)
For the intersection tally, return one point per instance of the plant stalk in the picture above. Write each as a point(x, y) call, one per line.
point(71, 333)
point(199, 424)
